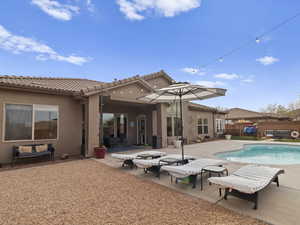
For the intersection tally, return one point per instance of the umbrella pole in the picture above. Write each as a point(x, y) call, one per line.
point(181, 126)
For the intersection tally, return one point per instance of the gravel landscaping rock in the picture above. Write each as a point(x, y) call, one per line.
point(86, 192)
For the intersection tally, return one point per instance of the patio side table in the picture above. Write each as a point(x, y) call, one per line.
point(219, 170)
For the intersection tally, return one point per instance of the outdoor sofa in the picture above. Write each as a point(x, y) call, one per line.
point(192, 169)
point(32, 151)
point(248, 181)
point(154, 165)
point(127, 159)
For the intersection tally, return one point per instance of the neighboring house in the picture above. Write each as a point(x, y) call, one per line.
point(239, 116)
point(67, 113)
point(295, 114)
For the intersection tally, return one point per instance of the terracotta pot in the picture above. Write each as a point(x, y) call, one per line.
point(100, 152)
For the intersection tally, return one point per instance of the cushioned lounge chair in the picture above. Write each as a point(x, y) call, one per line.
point(154, 165)
point(127, 159)
point(192, 169)
point(246, 182)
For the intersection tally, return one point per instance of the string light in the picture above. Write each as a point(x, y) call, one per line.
point(258, 40)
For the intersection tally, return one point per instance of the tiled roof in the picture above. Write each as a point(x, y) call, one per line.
point(47, 83)
point(69, 85)
point(238, 113)
point(204, 108)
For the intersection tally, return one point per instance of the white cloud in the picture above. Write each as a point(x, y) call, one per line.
point(267, 60)
point(211, 84)
point(248, 80)
point(56, 9)
point(19, 44)
point(90, 6)
point(194, 71)
point(136, 9)
point(227, 76)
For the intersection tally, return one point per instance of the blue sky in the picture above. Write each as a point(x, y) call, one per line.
point(103, 40)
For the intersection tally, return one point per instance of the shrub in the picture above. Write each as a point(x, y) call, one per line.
point(246, 138)
point(288, 140)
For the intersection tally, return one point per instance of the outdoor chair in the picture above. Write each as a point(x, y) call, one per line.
point(127, 159)
point(192, 169)
point(248, 181)
point(155, 165)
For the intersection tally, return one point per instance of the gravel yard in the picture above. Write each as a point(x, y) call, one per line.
point(86, 192)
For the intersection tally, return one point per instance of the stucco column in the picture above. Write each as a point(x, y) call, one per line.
point(162, 125)
point(93, 122)
point(186, 121)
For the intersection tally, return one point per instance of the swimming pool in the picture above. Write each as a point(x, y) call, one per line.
point(276, 154)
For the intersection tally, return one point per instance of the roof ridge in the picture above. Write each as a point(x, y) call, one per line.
point(251, 111)
point(153, 75)
point(45, 78)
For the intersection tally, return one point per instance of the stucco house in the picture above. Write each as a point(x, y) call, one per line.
point(67, 113)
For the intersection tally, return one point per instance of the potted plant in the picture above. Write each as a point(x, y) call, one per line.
point(228, 136)
point(100, 152)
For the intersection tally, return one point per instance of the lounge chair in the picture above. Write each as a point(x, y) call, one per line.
point(192, 169)
point(127, 159)
point(154, 165)
point(246, 182)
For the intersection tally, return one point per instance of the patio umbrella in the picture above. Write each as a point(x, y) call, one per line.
point(182, 92)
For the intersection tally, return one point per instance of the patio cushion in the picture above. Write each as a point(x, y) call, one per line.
point(136, 155)
point(254, 172)
point(248, 179)
point(41, 148)
point(147, 163)
point(25, 149)
point(35, 154)
point(193, 168)
point(239, 183)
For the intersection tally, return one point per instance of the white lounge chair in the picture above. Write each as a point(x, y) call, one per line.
point(127, 159)
point(246, 182)
point(154, 165)
point(192, 169)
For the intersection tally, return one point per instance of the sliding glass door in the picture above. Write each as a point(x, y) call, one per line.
point(114, 128)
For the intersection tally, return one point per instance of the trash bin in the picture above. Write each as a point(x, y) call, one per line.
point(154, 142)
point(100, 152)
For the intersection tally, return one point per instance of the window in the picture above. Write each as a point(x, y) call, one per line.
point(114, 125)
point(30, 122)
point(202, 126)
point(173, 126)
point(45, 122)
point(220, 125)
point(18, 122)
point(177, 126)
point(169, 127)
point(108, 124)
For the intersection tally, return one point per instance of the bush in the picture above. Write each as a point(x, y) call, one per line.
point(246, 138)
point(288, 140)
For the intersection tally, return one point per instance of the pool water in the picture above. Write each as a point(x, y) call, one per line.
point(265, 154)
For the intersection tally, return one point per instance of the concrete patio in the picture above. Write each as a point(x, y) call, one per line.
point(276, 205)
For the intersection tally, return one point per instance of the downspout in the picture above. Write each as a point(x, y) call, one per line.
point(101, 121)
